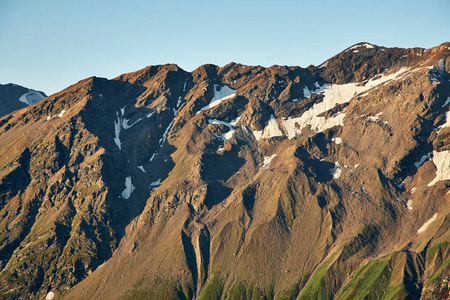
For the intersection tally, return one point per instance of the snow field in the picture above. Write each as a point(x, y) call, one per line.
point(334, 94)
point(117, 126)
point(442, 162)
point(267, 161)
point(337, 140)
point(220, 94)
point(272, 129)
point(228, 135)
point(31, 98)
point(422, 160)
point(50, 296)
point(427, 223)
point(409, 204)
point(336, 171)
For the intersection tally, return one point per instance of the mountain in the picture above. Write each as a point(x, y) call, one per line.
point(234, 182)
point(14, 97)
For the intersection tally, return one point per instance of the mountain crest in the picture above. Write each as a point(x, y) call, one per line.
point(225, 182)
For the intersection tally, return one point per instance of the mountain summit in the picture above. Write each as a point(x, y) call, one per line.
point(234, 182)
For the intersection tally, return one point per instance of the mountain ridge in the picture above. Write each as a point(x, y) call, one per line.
point(278, 190)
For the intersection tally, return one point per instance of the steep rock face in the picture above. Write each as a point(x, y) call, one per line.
point(233, 182)
point(14, 97)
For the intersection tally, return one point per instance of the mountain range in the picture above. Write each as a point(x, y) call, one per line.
point(234, 182)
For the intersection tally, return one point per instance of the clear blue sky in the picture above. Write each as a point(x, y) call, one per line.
point(51, 44)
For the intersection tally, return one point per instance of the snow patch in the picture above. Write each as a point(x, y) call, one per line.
point(447, 121)
point(129, 188)
point(154, 185)
point(413, 190)
point(235, 121)
point(231, 126)
point(368, 46)
point(337, 140)
point(117, 126)
point(375, 118)
point(307, 93)
point(333, 95)
point(422, 160)
point(409, 204)
point(440, 66)
point(229, 134)
point(323, 65)
point(32, 97)
point(399, 185)
point(150, 114)
point(220, 94)
point(50, 296)
point(363, 94)
point(268, 160)
point(336, 171)
point(125, 123)
point(355, 166)
point(60, 115)
point(141, 168)
point(442, 162)
point(215, 121)
point(427, 223)
point(101, 265)
point(153, 156)
point(272, 129)
point(164, 137)
point(447, 102)
point(122, 110)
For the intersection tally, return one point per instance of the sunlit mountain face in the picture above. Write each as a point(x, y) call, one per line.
point(234, 182)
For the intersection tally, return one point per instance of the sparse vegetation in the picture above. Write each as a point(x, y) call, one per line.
point(213, 289)
point(432, 251)
point(159, 288)
point(371, 281)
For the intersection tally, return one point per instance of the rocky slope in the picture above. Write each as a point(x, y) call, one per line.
point(237, 182)
point(14, 97)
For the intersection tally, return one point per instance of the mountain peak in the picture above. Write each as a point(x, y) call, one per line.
point(362, 45)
